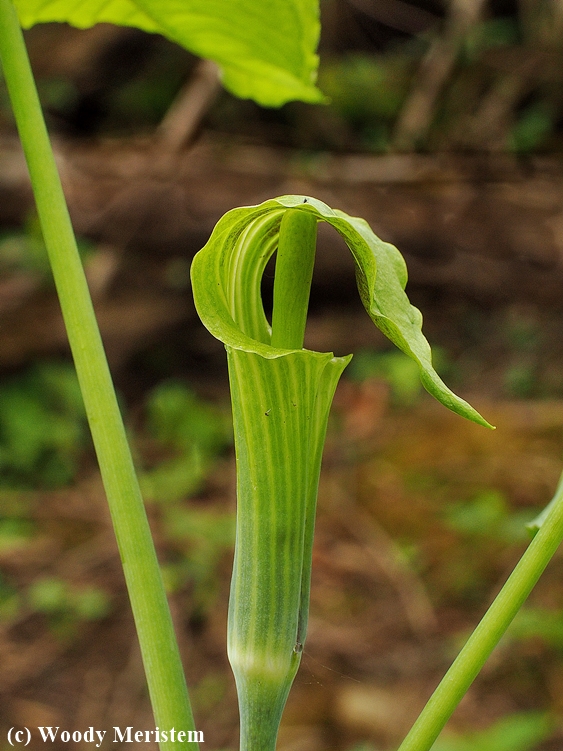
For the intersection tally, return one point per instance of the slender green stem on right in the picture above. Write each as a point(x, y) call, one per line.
point(292, 283)
point(488, 633)
point(161, 657)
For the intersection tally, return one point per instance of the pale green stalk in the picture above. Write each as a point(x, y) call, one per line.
point(295, 260)
point(148, 600)
point(292, 282)
point(488, 633)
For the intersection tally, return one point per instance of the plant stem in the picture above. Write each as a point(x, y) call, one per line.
point(488, 633)
point(292, 283)
point(155, 630)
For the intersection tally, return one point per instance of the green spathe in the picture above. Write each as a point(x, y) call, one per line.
point(280, 413)
point(226, 282)
point(281, 400)
point(266, 50)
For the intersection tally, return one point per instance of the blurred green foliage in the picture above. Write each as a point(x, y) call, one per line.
point(201, 537)
point(538, 623)
point(209, 691)
point(393, 367)
point(10, 600)
point(66, 605)
point(57, 93)
point(531, 128)
point(15, 532)
point(478, 530)
point(143, 100)
point(488, 515)
point(517, 732)
point(192, 434)
point(367, 92)
point(42, 427)
point(43, 434)
point(23, 250)
point(490, 34)
point(397, 369)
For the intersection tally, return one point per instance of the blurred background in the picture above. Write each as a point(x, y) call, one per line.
point(444, 129)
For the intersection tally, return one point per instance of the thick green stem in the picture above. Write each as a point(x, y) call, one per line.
point(488, 633)
point(292, 283)
point(148, 600)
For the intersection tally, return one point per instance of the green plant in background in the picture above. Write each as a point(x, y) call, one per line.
point(517, 732)
point(201, 537)
point(538, 623)
point(368, 92)
point(42, 426)
point(24, 250)
point(195, 433)
point(65, 605)
point(10, 601)
point(395, 368)
point(487, 515)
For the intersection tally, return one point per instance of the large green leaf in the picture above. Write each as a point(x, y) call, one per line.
point(266, 50)
point(226, 284)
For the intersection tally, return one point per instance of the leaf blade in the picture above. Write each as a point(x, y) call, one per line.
point(84, 15)
point(266, 50)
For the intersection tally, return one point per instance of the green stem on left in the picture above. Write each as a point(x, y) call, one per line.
point(155, 630)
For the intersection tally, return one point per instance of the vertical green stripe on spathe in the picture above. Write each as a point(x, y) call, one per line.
point(280, 410)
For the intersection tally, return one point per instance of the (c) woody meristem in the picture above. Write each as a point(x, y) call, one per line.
point(281, 396)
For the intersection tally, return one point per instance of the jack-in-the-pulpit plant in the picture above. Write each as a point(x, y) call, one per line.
point(281, 397)
point(281, 392)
